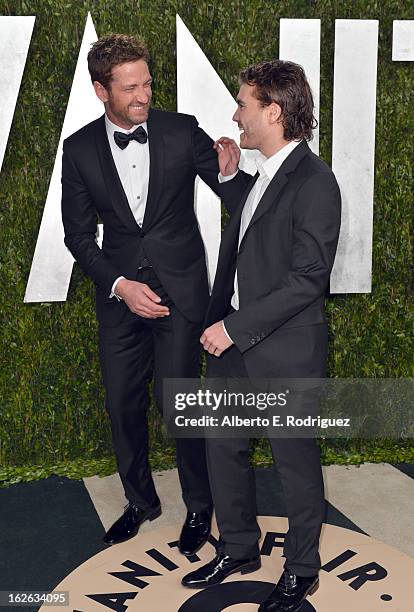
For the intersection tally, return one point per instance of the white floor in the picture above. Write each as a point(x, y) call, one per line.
point(108, 498)
point(376, 497)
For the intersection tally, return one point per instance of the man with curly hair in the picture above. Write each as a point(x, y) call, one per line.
point(266, 320)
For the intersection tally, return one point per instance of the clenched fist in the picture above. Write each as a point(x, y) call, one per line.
point(215, 340)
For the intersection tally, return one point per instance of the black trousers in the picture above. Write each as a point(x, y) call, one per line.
point(131, 354)
point(233, 487)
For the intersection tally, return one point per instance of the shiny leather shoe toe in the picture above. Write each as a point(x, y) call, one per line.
point(289, 593)
point(218, 569)
point(128, 524)
point(194, 533)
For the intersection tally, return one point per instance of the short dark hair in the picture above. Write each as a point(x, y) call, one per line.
point(112, 50)
point(284, 83)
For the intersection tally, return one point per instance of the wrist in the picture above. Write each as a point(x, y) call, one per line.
point(224, 177)
point(226, 332)
point(121, 286)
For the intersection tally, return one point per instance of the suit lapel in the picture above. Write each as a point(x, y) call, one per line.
point(111, 177)
point(277, 183)
point(270, 195)
point(156, 152)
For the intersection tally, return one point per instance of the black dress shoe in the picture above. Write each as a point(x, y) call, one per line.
point(218, 569)
point(128, 524)
point(194, 533)
point(289, 593)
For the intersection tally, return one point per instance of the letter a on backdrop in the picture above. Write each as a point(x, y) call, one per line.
point(201, 92)
point(52, 263)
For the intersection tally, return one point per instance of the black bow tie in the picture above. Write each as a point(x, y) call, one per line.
point(122, 139)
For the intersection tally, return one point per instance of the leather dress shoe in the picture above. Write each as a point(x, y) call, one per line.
point(194, 533)
point(128, 524)
point(218, 569)
point(289, 593)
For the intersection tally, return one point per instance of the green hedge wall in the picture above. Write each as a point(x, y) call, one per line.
point(51, 396)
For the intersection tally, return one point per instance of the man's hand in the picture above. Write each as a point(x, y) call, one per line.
point(140, 299)
point(215, 340)
point(228, 155)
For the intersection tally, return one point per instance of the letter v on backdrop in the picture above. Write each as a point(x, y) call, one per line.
point(352, 156)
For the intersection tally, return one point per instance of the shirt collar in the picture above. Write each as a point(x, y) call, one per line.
point(112, 127)
point(268, 166)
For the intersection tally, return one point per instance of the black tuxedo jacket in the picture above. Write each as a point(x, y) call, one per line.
point(283, 267)
point(169, 238)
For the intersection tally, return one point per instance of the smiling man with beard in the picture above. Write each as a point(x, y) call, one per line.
point(266, 319)
point(135, 168)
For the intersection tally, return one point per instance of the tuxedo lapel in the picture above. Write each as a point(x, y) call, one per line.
point(156, 151)
point(111, 177)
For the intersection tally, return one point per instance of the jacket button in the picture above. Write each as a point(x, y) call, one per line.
point(253, 341)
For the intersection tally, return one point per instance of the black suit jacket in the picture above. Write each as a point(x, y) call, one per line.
point(283, 266)
point(169, 238)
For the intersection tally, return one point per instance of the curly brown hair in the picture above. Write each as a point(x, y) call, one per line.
point(112, 50)
point(284, 83)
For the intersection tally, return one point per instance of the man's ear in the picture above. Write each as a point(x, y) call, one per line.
point(100, 91)
point(274, 113)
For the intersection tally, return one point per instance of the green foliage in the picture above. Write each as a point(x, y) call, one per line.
point(163, 458)
point(52, 399)
point(346, 452)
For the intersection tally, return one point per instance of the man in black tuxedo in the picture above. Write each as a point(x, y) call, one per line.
point(266, 318)
point(135, 167)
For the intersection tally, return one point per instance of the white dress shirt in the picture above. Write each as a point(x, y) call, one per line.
point(267, 168)
point(132, 164)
